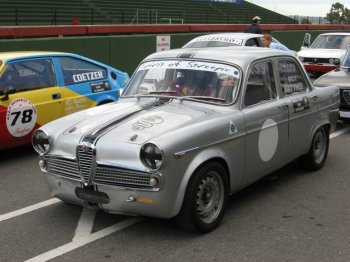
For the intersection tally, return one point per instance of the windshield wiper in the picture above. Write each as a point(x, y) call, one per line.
point(206, 98)
point(161, 92)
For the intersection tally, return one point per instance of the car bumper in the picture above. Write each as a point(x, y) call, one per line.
point(344, 114)
point(120, 200)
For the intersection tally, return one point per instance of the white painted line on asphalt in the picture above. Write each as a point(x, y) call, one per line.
point(84, 240)
point(29, 209)
point(340, 132)
point(85, 224)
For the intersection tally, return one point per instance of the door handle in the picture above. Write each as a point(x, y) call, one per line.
point(56, 96)
point(314, 97)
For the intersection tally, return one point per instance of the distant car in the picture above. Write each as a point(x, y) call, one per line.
point(38, 87)
point(326, 52)
point(226, 39)
point(216, 120)
point(340, 77)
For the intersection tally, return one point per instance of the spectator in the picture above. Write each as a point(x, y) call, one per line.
point(255, 26)
point(267, 42)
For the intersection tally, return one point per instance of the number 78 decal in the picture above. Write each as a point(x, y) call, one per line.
point(21, 117)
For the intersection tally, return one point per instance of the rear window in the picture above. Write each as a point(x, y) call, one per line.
point(76, 71)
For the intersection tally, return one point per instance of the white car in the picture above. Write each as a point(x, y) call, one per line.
point(339, 77)
point(226, 39)
point(325, 54)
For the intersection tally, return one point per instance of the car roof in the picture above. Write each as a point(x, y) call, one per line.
point(229, 35)
point(336, 33)
point(240, 55)
point(27, 54)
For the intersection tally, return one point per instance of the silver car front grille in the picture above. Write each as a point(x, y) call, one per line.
point(105, 175)
point(86, 159)
point(122, 177)
point(62, 167)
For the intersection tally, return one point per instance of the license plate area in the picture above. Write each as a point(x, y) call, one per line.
point(91, 196)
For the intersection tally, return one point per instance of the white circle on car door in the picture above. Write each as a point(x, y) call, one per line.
point(268, 140)
point(21, 117)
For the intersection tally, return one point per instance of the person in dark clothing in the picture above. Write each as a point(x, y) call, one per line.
point(255, 26)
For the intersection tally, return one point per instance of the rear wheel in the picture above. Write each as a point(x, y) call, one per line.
point(318, 152)
point(205, 199)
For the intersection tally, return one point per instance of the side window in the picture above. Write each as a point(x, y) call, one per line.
point(291, 78)
point(28, 75)
point(252, 42)
point(261, 84)
point(76, 71)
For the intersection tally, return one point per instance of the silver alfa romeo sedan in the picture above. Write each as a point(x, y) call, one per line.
point(192, 127)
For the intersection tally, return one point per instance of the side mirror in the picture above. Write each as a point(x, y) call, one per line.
point(8, 91)
point(306, 41)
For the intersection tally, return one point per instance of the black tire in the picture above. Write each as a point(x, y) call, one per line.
point(205, 199)
point(317, 155)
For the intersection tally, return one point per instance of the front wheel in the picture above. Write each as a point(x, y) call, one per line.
point(205, 199)
point(318, 152)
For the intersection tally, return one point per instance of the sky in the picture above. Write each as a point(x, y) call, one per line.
point(300, 7)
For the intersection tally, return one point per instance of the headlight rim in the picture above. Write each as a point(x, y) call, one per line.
point(145, 163)
point(37, 148)
point(334, 61)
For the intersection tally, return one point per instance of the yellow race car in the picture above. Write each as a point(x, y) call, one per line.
point(38, 87)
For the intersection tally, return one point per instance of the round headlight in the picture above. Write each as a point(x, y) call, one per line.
point(151, 156)
point(336, 61)
point(41, 141)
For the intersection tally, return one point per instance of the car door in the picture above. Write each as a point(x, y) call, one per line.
point(297, 94)
point(86, 84)
point(29, 99)
point(266, 121)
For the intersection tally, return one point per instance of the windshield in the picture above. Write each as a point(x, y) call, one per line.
point(198, 80)
point(331, 42)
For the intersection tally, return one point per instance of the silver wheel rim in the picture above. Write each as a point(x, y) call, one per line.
point(319, 146)
point(210, 197)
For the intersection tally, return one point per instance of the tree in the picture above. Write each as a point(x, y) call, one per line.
point(338, 14)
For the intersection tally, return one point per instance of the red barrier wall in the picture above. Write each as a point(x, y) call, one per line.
point(88, 30)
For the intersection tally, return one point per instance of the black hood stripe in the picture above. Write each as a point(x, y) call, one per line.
point(93, 136)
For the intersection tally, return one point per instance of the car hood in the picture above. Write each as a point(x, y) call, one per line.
point(136, 122)
point(322, 53)
point(337, 77)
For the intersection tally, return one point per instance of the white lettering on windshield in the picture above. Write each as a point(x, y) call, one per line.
point(193, 65)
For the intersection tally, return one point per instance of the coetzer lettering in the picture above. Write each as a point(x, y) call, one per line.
point(87, 76)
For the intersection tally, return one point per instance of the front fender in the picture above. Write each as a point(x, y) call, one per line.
point(230, 153)
point(198, 160)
